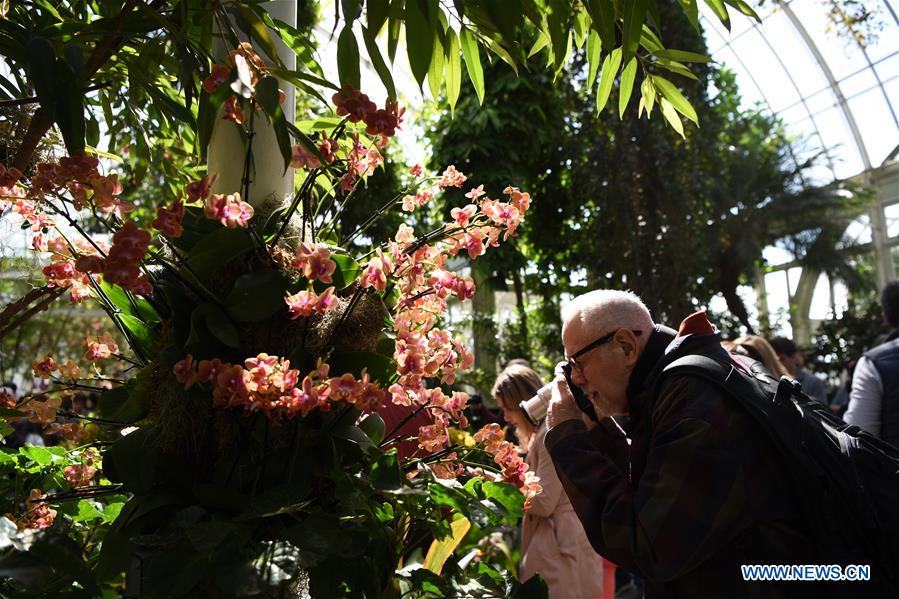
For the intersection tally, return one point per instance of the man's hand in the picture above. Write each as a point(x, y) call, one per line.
point(561, 406)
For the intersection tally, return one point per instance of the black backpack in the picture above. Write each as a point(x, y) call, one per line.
point(853, 475)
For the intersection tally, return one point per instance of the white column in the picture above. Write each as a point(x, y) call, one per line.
point(270, 183)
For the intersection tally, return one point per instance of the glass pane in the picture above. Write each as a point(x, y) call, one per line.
point(839, 141)
point(891, 214)
point(878, 130)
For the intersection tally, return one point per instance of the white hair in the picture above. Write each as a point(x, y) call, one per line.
point(603, 309)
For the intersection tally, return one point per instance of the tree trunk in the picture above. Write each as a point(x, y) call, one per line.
point(522, 342)
point(483, 328)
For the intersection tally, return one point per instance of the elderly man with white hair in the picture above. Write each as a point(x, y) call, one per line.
point(695, 489)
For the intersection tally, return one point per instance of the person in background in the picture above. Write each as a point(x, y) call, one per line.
point(793, 361)
point(553, 542)
point(758, 348)
point(874, 398)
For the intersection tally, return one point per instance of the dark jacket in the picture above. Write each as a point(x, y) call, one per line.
point(885, 358)
point(698, 493)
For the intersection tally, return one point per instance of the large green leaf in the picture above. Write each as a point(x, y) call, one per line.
point(691, 9)
point(420, 34)
point(607, 78)
point(379, 367)
point(348, 57)
point(634, 14)
point(720, 11)
point(346, 273)
point(376, 12)
point(602, 13)
point(386, 474)
point(141, 334)
point(671, 116)
point(472, 62)
point(210, 318)
point(435, 70)
point(217, 249)
point(627, 86)
point(453, 68)
point(268, 94)
point(670, 92)
point(377, 61)
point(594, 53)
point(123, 404)
point(257, 295)
point(259, 32)
point(133, 305)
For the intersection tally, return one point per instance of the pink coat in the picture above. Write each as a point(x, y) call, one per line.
point(553, 541)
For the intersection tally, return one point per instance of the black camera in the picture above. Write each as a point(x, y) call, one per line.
point(580, 398)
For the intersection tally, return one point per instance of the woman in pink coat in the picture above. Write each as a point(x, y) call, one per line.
point(553, 542)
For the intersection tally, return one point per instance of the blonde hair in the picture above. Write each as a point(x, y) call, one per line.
point(759, 349)
point(516, 384)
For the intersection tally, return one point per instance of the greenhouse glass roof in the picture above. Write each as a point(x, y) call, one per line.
point(832, 92)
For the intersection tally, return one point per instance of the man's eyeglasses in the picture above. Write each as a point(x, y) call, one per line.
point(572, 359)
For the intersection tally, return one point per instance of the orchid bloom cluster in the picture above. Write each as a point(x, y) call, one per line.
point(81, 474)
point(250, 69)
point(514, 469)
point(38, 516)
point(268, 384)
point(75, 180)
point(314, 262)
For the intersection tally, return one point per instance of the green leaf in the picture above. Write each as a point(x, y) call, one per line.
point(557, 14)
point(670, 115)
point(352, 9)
point(682, 56)
point(594, 53)
point(541, 42)
point(348, 57)
point(380, 368)
point(453, 68)
point(420, 34)
point(377, 61)
point(260, 33)
point(602, 13)
point(92, 130)
point(472, 62)
point(386, 474)
point(7, 460)
point(42, 72)
point(607, 78)
point(211, 318)
point(675, 97)
point(376, 12)
point(581, 27)
point(40, 455)
point(440, 550)
point(648, 93)
point(676, 67)
point(87, 510)
point(140, 308)
point(744, 8)
point(140, 334)
point(123, 404)
point(257, 295)
point(346, 273)
point(634, 14)
point(508, 496)
point(269, 96)
point(691, 9)
point(627, 86)
point(720, 11)
point(373, 426)
point(435, 70)
point(394, 28)
point(218, 248)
